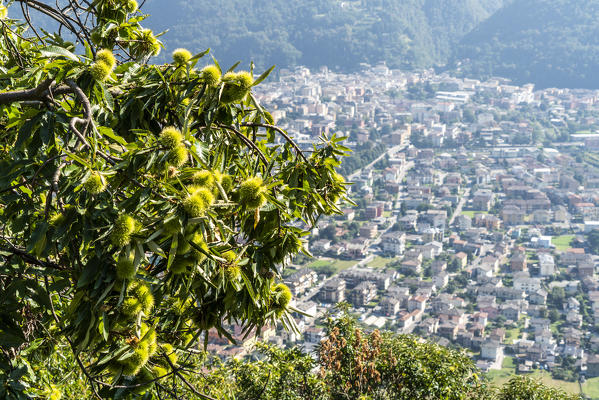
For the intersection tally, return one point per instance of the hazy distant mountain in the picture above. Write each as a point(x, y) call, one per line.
point(320, 32)
point(546, 42)
point(553, 43)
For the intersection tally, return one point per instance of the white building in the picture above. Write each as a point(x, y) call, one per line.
point(590, 225)
point(441, 279)
point(394, 242)
point(527, 285)
point(547, 264)
point(491, 350)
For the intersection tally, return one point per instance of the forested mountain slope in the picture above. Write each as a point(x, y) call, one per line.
point(553, 43)
point(320, 32)
point(546, 42)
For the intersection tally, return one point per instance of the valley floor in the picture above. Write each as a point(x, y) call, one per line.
point(589, 388)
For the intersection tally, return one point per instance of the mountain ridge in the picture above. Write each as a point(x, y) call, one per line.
point(551, 43)
point(341, 35)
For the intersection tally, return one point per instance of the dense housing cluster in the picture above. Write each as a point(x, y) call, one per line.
point(475, 217)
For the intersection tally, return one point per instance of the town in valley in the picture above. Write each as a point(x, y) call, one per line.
point(475, 223)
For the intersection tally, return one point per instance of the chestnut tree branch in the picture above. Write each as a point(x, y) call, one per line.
point(282, 132)
point(29, 259)
point(246, 141)
point(37, 93)
point(186, 382)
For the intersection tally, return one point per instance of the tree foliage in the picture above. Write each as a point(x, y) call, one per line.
point(385, 366)
point(593, 241)
point(526, 388)
point(140, 205)
point(281, 374)
point(143, 205)
point(355, 364)
point(363, 156)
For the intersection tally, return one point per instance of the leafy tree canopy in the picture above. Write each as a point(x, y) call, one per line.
point(140, 205)
point(593, 241)
point(354, 364)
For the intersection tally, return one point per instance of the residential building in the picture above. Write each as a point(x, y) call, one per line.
point(333, 291)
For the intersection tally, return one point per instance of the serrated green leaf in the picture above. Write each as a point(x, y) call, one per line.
point(55, 51)
point(264, 75)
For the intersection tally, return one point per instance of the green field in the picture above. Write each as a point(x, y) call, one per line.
point(545, 377)
point(556, 327)
point(472, 213)
point(338, 265)
point(591, 388)
point(508, 362)
point(319, 263)
point(500, 377)
point(379, 262)
point(510, 336)
point(562, 243)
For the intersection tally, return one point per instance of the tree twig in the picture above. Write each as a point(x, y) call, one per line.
point(56, 14)
point(282, 132)
point(189, 385)
point(12, 48)
point(87, 114)
point(28, 258)
point(71, 344)
point(54, 189)
point(87, 109)
point(5, 25)
point(246, 141)
point(25, 12)
point(32, 179)
point(36, 93)
point(259, 396)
